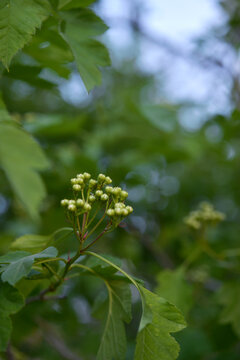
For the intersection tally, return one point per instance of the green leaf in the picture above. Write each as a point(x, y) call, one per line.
point(173, 287)
point(101, 267)
point(11, 301)
point(21, 158)
point(21, 266)
point(36, 243)
point(5, 330)
point(229, 297)
point(78, 30)
point(113, 343)
point(29, 74)
point(159, 319)
point(19, 20)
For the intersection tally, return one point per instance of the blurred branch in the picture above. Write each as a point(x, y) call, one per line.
point(9, 352)
point(56, 341)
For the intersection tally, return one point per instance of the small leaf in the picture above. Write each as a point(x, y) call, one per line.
point(19, 20)
point(101, 267)
point(113, 343)
point(173, 287)
point(159, 319)
point(17, 269)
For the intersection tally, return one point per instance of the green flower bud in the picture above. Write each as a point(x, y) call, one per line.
point(110, 212)
point(120, 205)
point(129, 209)
point(80, 202)
point(98, 193)
point(116, 191)
point(109, 189)
point(80, 176)
point(76, 187)
point(104, 197)
point(118, 211)
point(72, 207)
point(124, 195)
point(108, 180)
point(74, 181)
point(86, 176)
point(91, 198)
point(80, 180)
point(87, 207)
point(92, 183)
point(72, 202)
point(101, 177)
point(64, 202)
point(124, 212)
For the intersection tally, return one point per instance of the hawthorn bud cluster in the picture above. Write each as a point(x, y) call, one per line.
point(205, 214)
point(88, 192)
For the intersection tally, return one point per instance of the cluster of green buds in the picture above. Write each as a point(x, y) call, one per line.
point(204, 215)
point(96, 194)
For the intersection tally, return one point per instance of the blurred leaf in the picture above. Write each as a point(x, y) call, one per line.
point(78, 30)
point(28, 74)
point(11, 301)
point(101, 267)
point(229, 297)
point(21, 157)
point(16, 269)
point(113, 343)
point(173, 287)
point(34, 243)
point(19, 21)
point(159, 319)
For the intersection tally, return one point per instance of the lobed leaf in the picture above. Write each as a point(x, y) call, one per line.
point(18, 22)
point(159, 319)
point(113, 343)
point(78, 29)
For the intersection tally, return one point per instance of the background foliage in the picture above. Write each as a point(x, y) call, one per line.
point(129, 129)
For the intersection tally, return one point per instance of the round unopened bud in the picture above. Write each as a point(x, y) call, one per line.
point(72, 207)
point(87, 207)
point(108, 180)
point(91, 198)
point(79, 176)
point(116, 190)
point(109, 189)
point(101, 177)
point(73, 202)
point(64, 202)
point(86, 175)
point(104, 197)
point(120, 205)
point(80, 202)
point(124, 212)
point(124, 194)
point(76, 187)
point(92, 183)
point(118, 211)
point(80, 180)
point(110, 212)
point(74, 181)
point(129, 209)
point(98, 193)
